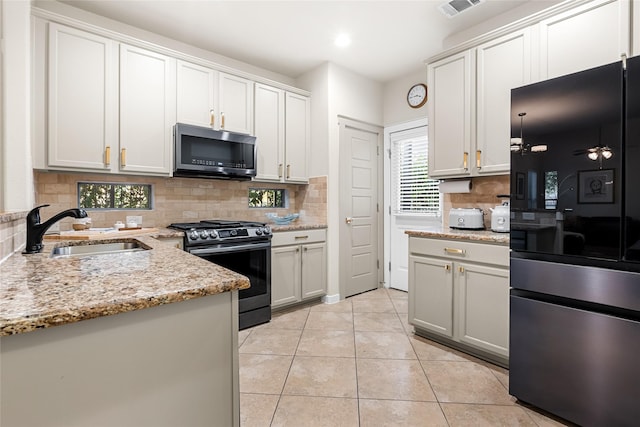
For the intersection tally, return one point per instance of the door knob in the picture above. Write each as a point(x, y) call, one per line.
point(348, 220)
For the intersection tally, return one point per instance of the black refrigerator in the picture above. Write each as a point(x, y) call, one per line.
point(575, 245)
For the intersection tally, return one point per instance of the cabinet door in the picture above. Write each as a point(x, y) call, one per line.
point(314, 270)
point(502, 65)
point(450, 110)
point(483, 307)
point(82, 111)
point(594, 34)
point(147, 110)
point(285, 275)
point(298, 135)
point(236, 103)
point(269, 131)
point(431, 294)
point(196, 90)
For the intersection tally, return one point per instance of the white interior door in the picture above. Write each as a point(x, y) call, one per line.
point(400, 219)
point(359, 187)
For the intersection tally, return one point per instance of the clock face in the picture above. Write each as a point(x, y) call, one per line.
point(417, 95)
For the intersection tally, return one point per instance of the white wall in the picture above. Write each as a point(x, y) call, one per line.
point(16, 177)
point(396, 108)
point(336, 91)
point(316, 81)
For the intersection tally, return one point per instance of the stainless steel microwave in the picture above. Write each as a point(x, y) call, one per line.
point(203, 152)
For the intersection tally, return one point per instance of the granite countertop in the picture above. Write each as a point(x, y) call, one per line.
point(37, 291)
point(295, 226)
point(482, 236)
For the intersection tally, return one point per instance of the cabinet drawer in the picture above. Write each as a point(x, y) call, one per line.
point(460, 250)
point(283, 238)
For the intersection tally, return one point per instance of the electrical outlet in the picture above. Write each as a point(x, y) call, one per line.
point(135, 218)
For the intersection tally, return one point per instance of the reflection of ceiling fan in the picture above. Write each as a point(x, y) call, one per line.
point(594, 153)
point(597, 153)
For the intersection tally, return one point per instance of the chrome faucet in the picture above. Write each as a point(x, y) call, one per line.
point(35, 230)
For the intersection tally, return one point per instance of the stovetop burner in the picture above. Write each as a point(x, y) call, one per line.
point(218, 231)
point(215, 224)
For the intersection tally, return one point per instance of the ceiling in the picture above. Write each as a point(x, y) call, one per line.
point(389, 38)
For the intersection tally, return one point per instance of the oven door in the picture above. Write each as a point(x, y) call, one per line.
point(249, 259)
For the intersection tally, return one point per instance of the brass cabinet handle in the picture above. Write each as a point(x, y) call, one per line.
point(297, 249)
point(280, 170)
point(454, 251)
point(447, 267)
point(465, 161)
point(288, 171)
point(461, 269)
point(123, 157)
point(478, 155)
point(306, 249)
point(212, 118)
point(348, 220)
point(107, 156)
point(222, 120)
point(301, 237)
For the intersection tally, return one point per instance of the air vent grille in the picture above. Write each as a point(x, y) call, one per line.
point(455, 7)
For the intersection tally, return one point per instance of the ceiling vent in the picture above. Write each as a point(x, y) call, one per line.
point(455, 7)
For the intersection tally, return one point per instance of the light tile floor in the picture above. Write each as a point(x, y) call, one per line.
point(358, 363)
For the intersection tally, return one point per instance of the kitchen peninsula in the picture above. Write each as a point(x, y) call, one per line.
point(140, 338)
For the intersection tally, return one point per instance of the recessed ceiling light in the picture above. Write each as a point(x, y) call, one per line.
point(343, 40)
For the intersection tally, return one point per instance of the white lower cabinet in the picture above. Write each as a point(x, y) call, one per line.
point(298, 266)
point(459, 294)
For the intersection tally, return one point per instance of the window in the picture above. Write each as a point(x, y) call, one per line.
point(103, 195)
point(267, 198)
point(550, 189)
point(413, 192)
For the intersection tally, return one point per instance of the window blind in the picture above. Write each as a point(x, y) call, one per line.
point(413, 192)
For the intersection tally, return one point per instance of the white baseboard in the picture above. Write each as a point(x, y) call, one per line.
point(331, 299)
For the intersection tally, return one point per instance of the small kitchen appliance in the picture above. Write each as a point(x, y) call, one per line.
point(466, 218)
point(500, 217)
point(240, 246)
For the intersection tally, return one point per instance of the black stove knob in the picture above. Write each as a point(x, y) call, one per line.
point(204, 234)
point(213, 234)
point(234, 232)
point(258, 232)
point(266, 230)
point(193, 235)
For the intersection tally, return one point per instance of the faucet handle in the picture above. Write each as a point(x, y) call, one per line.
point(33, 216)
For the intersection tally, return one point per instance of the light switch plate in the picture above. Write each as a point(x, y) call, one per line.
point(135, 218)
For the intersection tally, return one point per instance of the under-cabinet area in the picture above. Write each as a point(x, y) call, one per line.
point(298, 266)
point(459, 294)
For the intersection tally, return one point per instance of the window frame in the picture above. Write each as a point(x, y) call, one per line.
point(112, 192)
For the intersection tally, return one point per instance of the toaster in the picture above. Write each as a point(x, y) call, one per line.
point(466, 218)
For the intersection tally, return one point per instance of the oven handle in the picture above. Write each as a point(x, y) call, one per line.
point(228, 249)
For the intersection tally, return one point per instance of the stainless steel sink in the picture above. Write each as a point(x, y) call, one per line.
point(97, 249)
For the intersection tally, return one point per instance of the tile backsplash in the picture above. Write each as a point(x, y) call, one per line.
point(482, 195)
point(181, 199)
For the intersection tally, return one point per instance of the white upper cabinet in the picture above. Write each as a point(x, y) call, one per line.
point(593, 34)
point(282, 129)
point(236, 103)
point(269, 132)
point(502, 64)
point(470, 88)
point(449, 108)
point(197, 90)
point(297, 137)
point(82, 100)
point(147, 110)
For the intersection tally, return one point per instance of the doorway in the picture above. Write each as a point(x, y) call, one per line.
point(360, 193)
point(416, 209)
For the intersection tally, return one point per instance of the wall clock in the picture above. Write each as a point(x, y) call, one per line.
point(417, 95)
